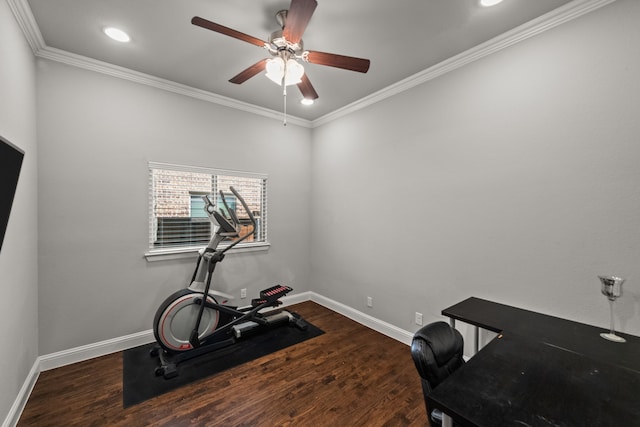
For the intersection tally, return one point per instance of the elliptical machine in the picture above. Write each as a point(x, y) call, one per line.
point(191, 322)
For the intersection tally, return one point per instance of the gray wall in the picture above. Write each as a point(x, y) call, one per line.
point(96, 135)
point(18, 257)
point(515, 178)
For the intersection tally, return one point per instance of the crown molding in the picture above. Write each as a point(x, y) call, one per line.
point(559, 16)
point(91, 64)
point(22, 12)
point(31, 31)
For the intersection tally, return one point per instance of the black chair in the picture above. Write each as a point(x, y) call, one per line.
point(436, 350)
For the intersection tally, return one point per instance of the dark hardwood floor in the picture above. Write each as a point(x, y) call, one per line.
point(350, 376)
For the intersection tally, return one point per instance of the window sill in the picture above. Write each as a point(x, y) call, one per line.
point(154, 255)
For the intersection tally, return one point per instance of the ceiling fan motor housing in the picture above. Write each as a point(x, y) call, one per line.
point(279, 43)
point(277, 40)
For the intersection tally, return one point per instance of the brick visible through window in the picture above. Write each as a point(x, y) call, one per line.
point(176, 209)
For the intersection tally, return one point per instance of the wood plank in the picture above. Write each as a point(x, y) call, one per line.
point(351, 375)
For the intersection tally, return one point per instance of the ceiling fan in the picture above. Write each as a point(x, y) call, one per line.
point(286, 48)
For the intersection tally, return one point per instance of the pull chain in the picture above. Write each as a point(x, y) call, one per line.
point(284, 94)
point(284, 97)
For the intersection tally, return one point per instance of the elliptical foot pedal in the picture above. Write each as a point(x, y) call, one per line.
point(275, 292)
point(256, 302)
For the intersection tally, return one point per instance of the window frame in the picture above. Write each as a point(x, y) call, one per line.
point(188, 251)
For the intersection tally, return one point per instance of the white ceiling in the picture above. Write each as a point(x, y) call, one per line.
point(401, 38)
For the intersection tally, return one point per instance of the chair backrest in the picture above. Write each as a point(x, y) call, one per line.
point(436, 350)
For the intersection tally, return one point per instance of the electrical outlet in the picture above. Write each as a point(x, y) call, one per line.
point(243, 293)
point(369, 302)
point(418, 318)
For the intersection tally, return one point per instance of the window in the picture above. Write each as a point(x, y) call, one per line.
point(177, 220)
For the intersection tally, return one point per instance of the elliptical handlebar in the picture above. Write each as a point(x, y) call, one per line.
point(235, 218)
point(227, 221)
point(232, 213)
point(244, 205)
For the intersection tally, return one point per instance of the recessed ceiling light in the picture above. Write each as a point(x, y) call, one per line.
point(117, 34)
point(306, 101)
point(487, 3)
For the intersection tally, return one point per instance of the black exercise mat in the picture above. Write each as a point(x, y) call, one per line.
point(140, 382)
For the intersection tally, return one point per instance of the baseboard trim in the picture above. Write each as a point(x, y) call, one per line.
point(102, 348)
point(371, 322)
point(295, 298)
point(23, 396)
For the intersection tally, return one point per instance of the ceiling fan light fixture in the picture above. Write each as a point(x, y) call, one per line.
point(276, 68)
point(307, 101)
point(295, 70)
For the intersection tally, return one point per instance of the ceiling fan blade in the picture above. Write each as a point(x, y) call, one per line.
point(201, 22)
point(339, 61)
point(246, 74)
point(306, 88)
point(298, 18)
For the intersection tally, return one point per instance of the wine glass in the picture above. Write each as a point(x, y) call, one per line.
point(612, 289)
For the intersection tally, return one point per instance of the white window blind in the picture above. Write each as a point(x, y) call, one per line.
point(176, 210)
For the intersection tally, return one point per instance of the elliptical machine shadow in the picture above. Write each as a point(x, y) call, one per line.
point(188, 324)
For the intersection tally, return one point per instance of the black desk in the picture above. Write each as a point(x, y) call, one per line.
point(541, 371)
point(573, 336)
